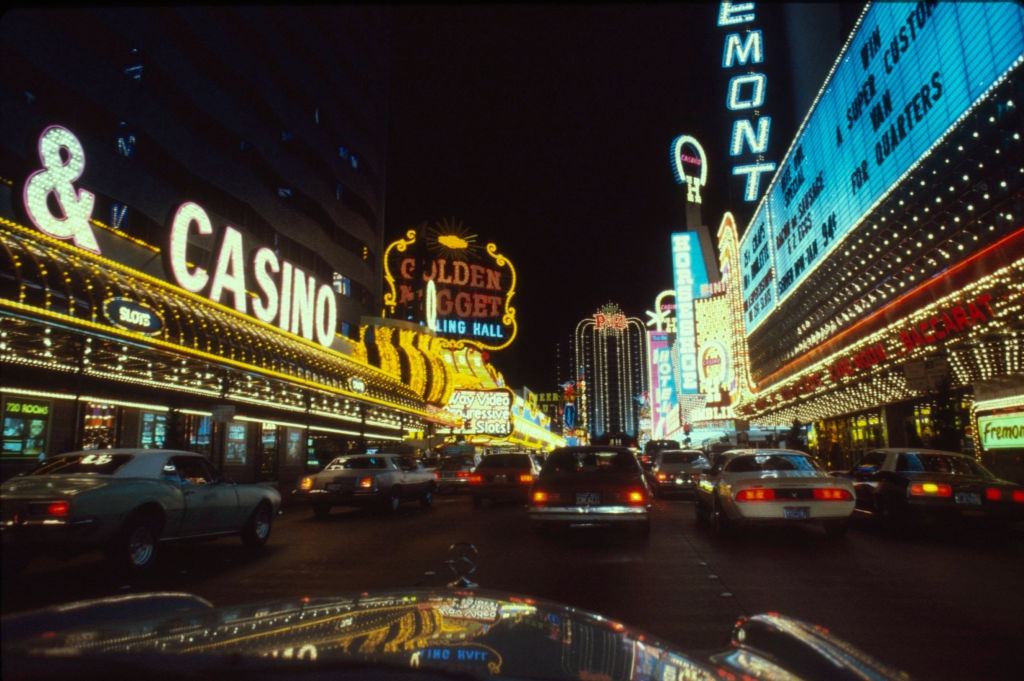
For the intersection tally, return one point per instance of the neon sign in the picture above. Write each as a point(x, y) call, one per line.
point(466, 293)
point(661, 317)
point(482, 412)
point(689, 274)
point(690, 165)
point(746, 92)
point(663, 400)
point(1002, 431)
point(287, 295)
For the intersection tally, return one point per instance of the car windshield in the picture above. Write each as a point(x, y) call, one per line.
point(454, 463)
point(77, 464)
point(357, 463)
point(683, 457)
point(586, 463)
point(917, 462)
point(506, 461)
point(751, 463)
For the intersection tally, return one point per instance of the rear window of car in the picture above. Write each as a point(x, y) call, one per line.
point(590, 463)
point(682, 457)
point(454, 463)
point(78, 464)
point(358, 463)
point(940, 463)
point(772, 462)
point(506, 461)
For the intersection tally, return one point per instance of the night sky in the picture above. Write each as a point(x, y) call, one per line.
point(546, 130)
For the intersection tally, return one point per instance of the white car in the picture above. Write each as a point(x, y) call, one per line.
point(772, 486)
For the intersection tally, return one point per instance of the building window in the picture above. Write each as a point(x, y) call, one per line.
point(287, 135)
point(366, 253)
point(284, 192)
point(316, 115)
point(346, 329)
point(243, 145)
point(343, 153)
point(133, 68)
point(342, 284)
point(339, 191)
point(125, 141)
point(154, 430)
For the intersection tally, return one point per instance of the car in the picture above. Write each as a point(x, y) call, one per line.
point(380, 481)
point(503, 477)
point(454, 472)
point(127, 502)
point(651, 449)
point(772, 486)
point(677, 470)
point(591, 486)
point(901, 486)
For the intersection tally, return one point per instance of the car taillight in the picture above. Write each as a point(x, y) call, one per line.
point(635, 497)
point(525, 478)
point(306, 484)
point(461, 474)
point(539, 497)
point(58, 508)
point(930, 489)
point(366, 483)
point(832, 494)
point(662, 477)
point(475, 479)
point(1018, 496)
point(757, 494)
point(993, 494)
point(437, 475)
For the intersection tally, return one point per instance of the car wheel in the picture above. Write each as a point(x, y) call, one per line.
point(643, 529)
point(15, 562)
point(477, 501)
point(321, 511)
point(393, 501)
point(257, 529)
point(890, 517)
point(720, 525)
point(136, 546)
point(836, 529)
point(427, 500)
point(701, 513)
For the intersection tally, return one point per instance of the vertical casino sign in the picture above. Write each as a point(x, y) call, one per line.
point(439, 275)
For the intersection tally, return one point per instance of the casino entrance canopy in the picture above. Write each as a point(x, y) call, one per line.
point(94, 320)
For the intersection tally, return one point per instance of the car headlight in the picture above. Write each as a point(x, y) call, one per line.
point(306, 484)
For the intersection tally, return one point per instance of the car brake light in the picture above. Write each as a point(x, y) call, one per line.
point(1018, 496)
point(525, 478)
point(461, 474)
point(635, 497)
point(757, 494)
point(366, 483)
point(58, 508)
point(662, 477)
point(993, 494)
point(437, 475)
point(475, 479)
point(306, 484)
point(930, 489)
point(540, 497)
point(832, 494)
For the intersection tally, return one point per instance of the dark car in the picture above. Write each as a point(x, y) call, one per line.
point(677, 470)
point(591, 486)
point(503, 477)
point(900, 486)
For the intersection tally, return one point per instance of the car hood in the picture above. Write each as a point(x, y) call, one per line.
point(36, 486)
point(474, 634)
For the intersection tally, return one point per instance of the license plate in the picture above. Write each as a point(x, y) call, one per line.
point(796, 512)
point(587, 498)
point(333, 486)
point(500, 478)
point(968, 498)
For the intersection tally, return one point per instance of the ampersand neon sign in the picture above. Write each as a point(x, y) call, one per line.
point(63, 160)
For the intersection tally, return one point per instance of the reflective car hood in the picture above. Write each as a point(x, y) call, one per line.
point(475, 634)
point(35, 486)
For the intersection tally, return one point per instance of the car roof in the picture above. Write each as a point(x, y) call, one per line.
point(917, 450)
point(595, 448)
point(762, 452)
point(685, 451)
point(146, 463)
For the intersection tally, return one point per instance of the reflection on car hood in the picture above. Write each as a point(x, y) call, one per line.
point(477, 634)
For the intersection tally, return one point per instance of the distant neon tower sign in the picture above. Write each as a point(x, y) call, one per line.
point(745, 95)
point(690, 165)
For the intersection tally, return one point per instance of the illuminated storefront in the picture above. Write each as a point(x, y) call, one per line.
point(882, 273)
point(197, 342)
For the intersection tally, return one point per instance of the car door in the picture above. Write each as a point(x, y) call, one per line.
point(866, 481)
point(199, 493)
point(227, 514)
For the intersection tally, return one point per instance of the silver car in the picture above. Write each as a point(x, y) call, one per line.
point(677, 470)
point(127, 501)
point(378, 480)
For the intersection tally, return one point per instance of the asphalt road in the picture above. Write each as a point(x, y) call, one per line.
point(943, 605)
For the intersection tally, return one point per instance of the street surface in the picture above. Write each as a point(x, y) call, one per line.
point(940, 606)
